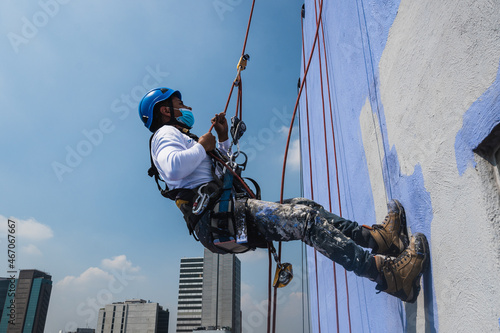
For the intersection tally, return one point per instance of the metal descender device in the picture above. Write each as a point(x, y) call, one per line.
point(284, 271)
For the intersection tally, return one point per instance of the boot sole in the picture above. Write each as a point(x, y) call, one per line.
point(422, 248)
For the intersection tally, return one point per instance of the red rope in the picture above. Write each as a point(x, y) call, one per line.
point(239, 106)
point(310, 162)
point(319, 24)
point(269, 291)
point(238, 82)
point(238, 78)
point(327, 162)
point(317, 287)
point(336, 164)
point(240, 100)
point(296, 107)
point(276, 293)
point(242, 182)
point(294, 115)
point(316, 37)
point(248, 28)
point(307, 111)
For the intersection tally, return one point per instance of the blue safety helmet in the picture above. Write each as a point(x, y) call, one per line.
point(148, 102)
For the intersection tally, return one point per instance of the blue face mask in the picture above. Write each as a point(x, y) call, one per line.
point(187, 118)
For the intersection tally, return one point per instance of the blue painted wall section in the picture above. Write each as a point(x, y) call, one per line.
point(356, 33)
point(478, 121)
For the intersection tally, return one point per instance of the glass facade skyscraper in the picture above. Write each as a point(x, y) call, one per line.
point(26, 312)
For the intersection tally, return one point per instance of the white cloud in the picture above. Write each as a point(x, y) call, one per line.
point(254, 312)
point(294, 155)
point(284, 131)
point(31, 250)
point(253, 256)
point(77, 299)
point(246, 289)
point(293, 158)
point(119, 263)
point(292, 304)
point(92, 277)
point(29, 229)
point(289, 311)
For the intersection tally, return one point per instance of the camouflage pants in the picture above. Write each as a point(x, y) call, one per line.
point(304, 219)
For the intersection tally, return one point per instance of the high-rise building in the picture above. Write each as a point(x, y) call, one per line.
point(190, 292)
point(210, 293)
point(29, 305)
point(133, 316)
point(221, 304)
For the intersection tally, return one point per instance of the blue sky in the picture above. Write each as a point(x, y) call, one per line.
point(75, 153)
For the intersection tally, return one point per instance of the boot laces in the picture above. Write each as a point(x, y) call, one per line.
point(402, 258)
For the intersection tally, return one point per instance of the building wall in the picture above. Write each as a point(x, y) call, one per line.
point(32, 296)
point(414, 89)
point(221, 291)
point(190, 294)
point(133, 316)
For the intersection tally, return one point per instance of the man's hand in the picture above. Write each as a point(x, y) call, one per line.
point(207, 140)
point(220, 126)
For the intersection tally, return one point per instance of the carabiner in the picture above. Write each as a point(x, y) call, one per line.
point(201, 201)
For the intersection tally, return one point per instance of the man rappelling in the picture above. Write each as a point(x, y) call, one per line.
point(221, 211)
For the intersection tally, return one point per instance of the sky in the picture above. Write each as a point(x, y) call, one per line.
point(75, 154)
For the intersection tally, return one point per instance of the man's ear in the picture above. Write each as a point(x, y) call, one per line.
point(165, 113)
point(165, 110)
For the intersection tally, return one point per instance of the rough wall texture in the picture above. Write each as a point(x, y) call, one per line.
point(414, 87)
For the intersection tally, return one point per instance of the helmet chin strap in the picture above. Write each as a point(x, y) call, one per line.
point(174, 122)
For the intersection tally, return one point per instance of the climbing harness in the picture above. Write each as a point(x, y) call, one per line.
point(222, 215)
point(215, 198)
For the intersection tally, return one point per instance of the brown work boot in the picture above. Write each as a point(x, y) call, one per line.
point(400, 276)
point(390, 237)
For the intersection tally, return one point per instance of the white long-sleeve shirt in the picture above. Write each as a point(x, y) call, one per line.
point(181, 161)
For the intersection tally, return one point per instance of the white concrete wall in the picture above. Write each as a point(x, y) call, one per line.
point(416, 87)
point(440, 57)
